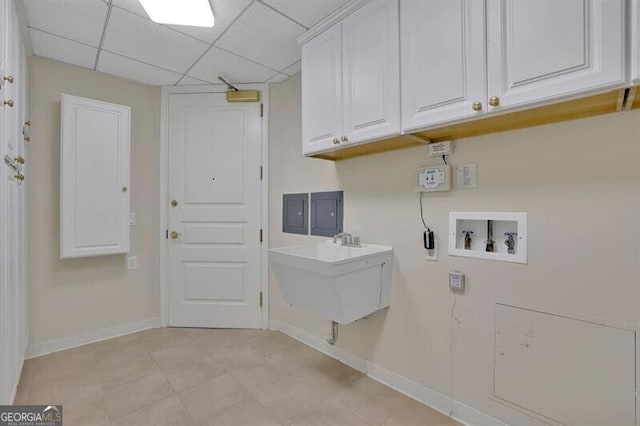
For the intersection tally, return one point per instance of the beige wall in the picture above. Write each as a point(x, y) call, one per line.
point(70, 297)
point(583, 229)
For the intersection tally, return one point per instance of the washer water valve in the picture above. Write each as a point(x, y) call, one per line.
point(467, 239)
point(510, 242)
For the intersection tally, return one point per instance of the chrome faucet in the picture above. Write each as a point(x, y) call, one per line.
point(347, 239)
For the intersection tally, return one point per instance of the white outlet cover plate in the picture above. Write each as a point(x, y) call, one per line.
point(132, 263)
point(433, 178)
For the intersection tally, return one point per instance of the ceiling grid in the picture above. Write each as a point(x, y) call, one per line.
point(253, 41)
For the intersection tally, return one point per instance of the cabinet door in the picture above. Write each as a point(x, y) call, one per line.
point(94, 178)
point(635, 41)
point(443, 61)
point(322, 91)
point(370, 44)
point(546, 49)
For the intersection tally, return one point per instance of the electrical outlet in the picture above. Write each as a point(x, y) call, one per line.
point(132, 263)
point(432, 254)
point(132, 218)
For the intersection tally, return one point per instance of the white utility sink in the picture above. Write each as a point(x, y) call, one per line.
point(339, 283)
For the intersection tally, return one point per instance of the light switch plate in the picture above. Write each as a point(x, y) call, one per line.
point(467, 176)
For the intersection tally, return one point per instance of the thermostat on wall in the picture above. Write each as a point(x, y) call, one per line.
point(436, 178)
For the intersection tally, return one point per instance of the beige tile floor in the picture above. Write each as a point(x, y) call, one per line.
point(174, 376)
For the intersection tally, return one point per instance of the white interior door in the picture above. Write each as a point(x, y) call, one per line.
point(214, 178)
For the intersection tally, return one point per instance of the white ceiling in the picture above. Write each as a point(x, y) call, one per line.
point(253, 41)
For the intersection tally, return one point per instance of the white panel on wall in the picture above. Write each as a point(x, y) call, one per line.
point(94, 178)
point(571, 371)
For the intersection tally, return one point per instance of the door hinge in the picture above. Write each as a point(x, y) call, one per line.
point(261, 299)
point(261, 172)
point(261, 235)
point(166, 234)
point(261, 109)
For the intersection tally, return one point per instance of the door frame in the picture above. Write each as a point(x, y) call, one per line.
point(166, 91)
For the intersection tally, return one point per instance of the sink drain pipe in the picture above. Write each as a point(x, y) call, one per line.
point(334, 333)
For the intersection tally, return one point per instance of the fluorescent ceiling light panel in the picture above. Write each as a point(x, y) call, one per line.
point(194, 13)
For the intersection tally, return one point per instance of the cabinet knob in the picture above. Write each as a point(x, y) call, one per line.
point(494, 101)
point(27, 123)
point(20, 159)
point(174, 203)
point(125, 189)
point(476, 106)
point(8, 78)
point(19, 176)
point(336, 141)
point(27, 138)
point(9, 103)
point(344, 139)
point(174, 235)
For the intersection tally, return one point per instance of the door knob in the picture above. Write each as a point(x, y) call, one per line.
point(9, 102)
point(174, 235)
point(476, 106)
point(19, 176)
point(20, 159)
point(174, 203)
point(8, 78)
point(494, 101)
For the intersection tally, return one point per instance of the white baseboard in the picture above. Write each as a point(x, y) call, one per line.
point(55, 345)
point(12, 399)
point(461, 411)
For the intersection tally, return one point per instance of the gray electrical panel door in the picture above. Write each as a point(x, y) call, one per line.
point(326, 213)
point(295, 213)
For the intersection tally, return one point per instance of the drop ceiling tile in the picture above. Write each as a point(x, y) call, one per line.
point(234, 68)
point(293, 69)
point(134, 70)
point(132, 6)
point(224, 12)
point(306, 12)
point(263, 36)
point(186, 81)
point(61, 49)
point(79, 20)
point(138, 38)
point(278, 78)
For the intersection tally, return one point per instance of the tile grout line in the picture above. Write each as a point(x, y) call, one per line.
point(104, 32)
point(284, 15)
point(215, 41)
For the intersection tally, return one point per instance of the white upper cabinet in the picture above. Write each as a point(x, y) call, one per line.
point(370, 43)
point(635, 41)
point(443, 61)
point(541, 50)
point(322, 90)
point(351, 80)
point(94, 178)
point(460, 61)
